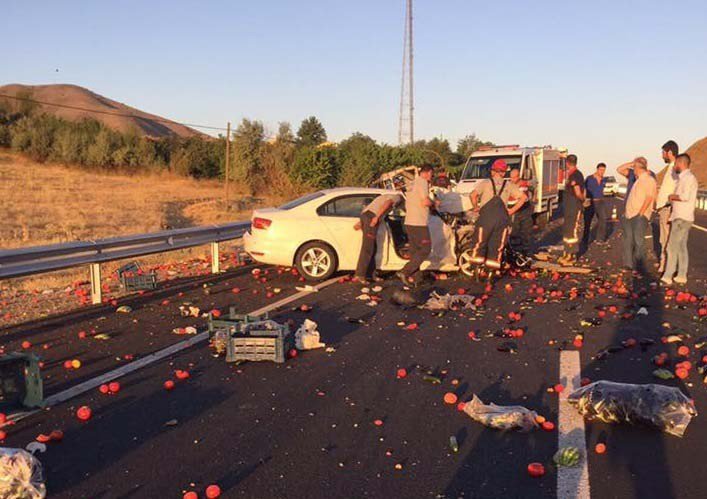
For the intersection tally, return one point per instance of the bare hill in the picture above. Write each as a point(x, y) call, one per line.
point(79, 97)
point(698, 153)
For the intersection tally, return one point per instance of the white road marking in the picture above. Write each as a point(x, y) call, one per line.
point(572, 482)
point(93, 383)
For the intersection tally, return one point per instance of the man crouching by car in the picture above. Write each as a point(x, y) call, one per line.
point(370, 218)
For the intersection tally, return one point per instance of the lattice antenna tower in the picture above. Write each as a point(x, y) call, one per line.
point(406, 120)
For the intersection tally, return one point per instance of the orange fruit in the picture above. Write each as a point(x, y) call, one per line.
point(600, 448)
point(450, 398)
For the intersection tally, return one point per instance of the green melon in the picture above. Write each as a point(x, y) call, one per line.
point(567, 456)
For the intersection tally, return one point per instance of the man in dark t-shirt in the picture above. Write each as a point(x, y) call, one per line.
point(573, 199)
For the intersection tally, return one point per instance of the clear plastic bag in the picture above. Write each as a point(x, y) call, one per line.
point(663, 407)
point(501, 417)
point(449, 302)
point(21, 475)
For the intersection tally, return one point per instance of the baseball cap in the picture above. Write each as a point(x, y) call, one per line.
point(499, 165)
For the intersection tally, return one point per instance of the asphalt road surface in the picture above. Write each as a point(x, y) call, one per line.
point(341, 423)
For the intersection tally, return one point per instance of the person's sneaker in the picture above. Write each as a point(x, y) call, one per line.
point(362, 280)
point(377, 278)
point(666, 280)
point(680, 280)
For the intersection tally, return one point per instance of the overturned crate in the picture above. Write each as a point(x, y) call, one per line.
point(252, 338)
point(132, 278)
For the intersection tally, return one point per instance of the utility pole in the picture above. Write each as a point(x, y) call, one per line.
point(406, 119)
point(228, 161)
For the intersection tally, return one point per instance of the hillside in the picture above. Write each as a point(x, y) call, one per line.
point(48, 203)
point(698, 153)
point(75, 96)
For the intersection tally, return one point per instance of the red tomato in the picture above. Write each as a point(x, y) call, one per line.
point(536, 469)
point(169, 384)
point(213, 491)
point(84, 413)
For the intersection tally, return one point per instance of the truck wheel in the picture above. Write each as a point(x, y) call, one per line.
point(316, 261)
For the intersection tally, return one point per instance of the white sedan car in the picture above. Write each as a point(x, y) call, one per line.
point(316, 234)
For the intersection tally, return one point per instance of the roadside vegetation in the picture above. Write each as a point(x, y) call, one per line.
point(283, 162)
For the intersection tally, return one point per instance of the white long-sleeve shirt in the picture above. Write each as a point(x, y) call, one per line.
point(686, 188)
point(667, 187)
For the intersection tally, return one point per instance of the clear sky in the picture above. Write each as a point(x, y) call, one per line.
point(607, 79)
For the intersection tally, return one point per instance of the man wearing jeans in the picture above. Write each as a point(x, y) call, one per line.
point(681, 220)
point(662, 204)
point(417, 214)
point(594, 186)
point(639, 208)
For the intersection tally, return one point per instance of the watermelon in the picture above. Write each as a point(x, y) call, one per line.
point(567, 456)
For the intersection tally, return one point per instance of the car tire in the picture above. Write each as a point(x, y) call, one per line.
point(316, 261)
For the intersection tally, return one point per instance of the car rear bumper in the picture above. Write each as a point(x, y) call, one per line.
point(265, 251)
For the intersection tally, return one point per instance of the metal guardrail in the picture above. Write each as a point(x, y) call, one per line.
point(40, 259)
point(702, 200)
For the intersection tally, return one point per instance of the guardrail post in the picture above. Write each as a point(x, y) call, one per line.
point(215, 266)
point(96, 296)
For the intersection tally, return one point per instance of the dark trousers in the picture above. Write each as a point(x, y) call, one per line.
point(523, 228)
point(635, 242)
point(597, 209)
point(367, 257)
point(490, 237)
point(420, 247)
point(570, 227)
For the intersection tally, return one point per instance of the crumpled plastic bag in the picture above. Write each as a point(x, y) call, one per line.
point(21, 475)
point(307, 336)
point(501, 417)
point(449, 302)
point(663, 407)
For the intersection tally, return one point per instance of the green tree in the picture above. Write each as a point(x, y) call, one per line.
point(311, 133)
point(469, 144)
point(248, 140)
point(100, 152)
point(284, 133)
point(358, 160)
point(315, 167)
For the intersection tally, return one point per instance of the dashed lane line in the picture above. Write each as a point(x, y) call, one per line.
point(93, 383)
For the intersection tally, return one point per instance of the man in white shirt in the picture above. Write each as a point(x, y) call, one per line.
point(417, 214)
point(682, 217)
point(662, 204)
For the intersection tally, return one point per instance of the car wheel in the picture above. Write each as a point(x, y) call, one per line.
point(316, 261)
point(465, 264)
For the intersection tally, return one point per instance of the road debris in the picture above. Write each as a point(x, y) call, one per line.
point(21, 475)
point(662, 407)
point(448, 301)
point(501, 417)
point(307, 337)
point(567, 456)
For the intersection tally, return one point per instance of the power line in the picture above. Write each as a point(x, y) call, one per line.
point(98, 111)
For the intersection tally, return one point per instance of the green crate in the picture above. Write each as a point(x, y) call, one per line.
point(20, 381)
point(259, 340)
point(132, 279)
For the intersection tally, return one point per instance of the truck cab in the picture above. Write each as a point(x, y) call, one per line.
point(539, 166)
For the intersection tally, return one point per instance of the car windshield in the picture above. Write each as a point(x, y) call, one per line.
point(610, 179)
point(300, 201)
point(481, 167)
